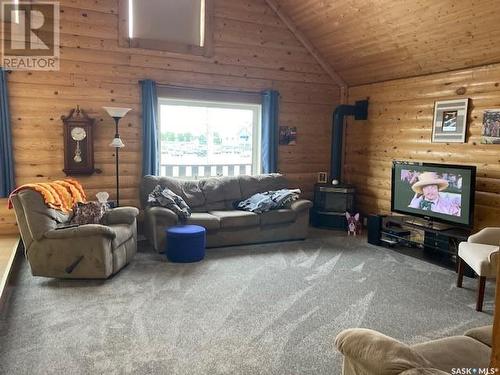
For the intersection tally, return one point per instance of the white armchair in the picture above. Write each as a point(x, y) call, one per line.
point(481, 252)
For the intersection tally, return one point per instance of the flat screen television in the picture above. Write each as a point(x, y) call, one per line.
point(436, 192)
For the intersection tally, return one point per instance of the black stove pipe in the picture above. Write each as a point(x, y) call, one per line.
point(360, 112)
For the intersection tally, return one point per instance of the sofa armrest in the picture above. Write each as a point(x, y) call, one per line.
point(120, 215)
point(486, 236)
point(86, 230)
point(377, 353)
point(301, 205)
point(166, 214)
point(493, 258)
point(482, 334)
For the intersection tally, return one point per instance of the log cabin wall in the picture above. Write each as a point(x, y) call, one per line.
point(253, 49)
point(399, 127)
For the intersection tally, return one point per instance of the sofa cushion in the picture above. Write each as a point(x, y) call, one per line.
point(455, 352)
point(477, 256)
point(251, 185)
point(192, 193)
point(277, 217)
point(220, 192)
point(211, 206)
point(231, 188)
point(39, 217)
point(209, 222)
point(123, 234)
point(212, 189)
point(233, 218)
point(189, 190)
point(215, 193)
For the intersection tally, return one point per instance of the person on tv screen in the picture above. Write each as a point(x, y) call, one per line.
point(428, 196)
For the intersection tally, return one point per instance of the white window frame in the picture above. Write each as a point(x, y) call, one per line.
point(256, 126)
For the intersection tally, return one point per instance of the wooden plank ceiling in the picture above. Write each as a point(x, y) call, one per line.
point(369, 41)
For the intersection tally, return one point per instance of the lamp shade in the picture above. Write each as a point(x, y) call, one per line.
point(117, 111)
point(117, 142)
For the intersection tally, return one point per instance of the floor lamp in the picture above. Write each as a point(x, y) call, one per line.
point(117, 113)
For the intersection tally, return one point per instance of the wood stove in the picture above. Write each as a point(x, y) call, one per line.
point(330, 205)
point(332, 201)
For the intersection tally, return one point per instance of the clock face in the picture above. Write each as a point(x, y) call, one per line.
point(78, 133)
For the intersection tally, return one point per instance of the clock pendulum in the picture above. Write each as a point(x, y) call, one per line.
point(78, 134)
point(78, 153)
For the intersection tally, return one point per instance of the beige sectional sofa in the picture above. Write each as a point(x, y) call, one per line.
point(211, 201)
point(368, 352)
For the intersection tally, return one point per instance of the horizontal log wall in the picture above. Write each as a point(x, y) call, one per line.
point(399, 127)
point(253, 51)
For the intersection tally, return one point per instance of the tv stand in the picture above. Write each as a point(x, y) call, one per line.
point(424, 240)
point(428, 224)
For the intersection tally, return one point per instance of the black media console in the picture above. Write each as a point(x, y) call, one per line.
point(418, 238)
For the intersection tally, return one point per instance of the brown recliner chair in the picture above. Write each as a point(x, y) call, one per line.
point(89, 251)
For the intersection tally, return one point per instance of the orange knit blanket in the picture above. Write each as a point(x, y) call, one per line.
point(60, 195)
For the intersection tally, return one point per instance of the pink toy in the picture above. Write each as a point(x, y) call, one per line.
point(353, 224)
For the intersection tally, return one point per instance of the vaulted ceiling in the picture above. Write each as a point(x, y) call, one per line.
point(376, 40)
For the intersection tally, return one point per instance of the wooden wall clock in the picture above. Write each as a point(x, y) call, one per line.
point(78, 143)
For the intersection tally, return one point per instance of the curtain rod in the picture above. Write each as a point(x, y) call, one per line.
point(206, 89)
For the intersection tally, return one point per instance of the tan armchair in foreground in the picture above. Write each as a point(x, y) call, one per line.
point(89, 251)
point(368, 352)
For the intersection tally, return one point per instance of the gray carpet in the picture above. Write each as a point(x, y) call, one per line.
point(261, 309)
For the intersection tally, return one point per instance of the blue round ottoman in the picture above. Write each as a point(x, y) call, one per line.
point(185, 243)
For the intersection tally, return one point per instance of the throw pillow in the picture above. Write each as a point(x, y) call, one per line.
point(88, 213)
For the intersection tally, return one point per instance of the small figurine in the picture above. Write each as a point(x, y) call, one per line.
point(353, 224)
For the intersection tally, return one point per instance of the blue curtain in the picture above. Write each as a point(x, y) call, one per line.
point(270, 110)
point(7, 183)
point(150, 157)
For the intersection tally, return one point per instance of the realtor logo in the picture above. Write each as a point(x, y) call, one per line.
point(30, 35)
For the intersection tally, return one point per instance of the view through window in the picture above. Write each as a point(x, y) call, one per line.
point(202, 139)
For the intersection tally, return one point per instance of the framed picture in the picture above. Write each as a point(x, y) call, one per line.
point(322, 177)
point(288, 135)
point(450, 121)
point(491, 127)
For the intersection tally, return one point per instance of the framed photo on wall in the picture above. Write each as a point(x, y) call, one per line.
point(490, 133)
point(450, 121)
point(322, 177)
point(288, 135)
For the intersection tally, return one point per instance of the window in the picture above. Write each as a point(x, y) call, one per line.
point(205, 138)
point(169, 25)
